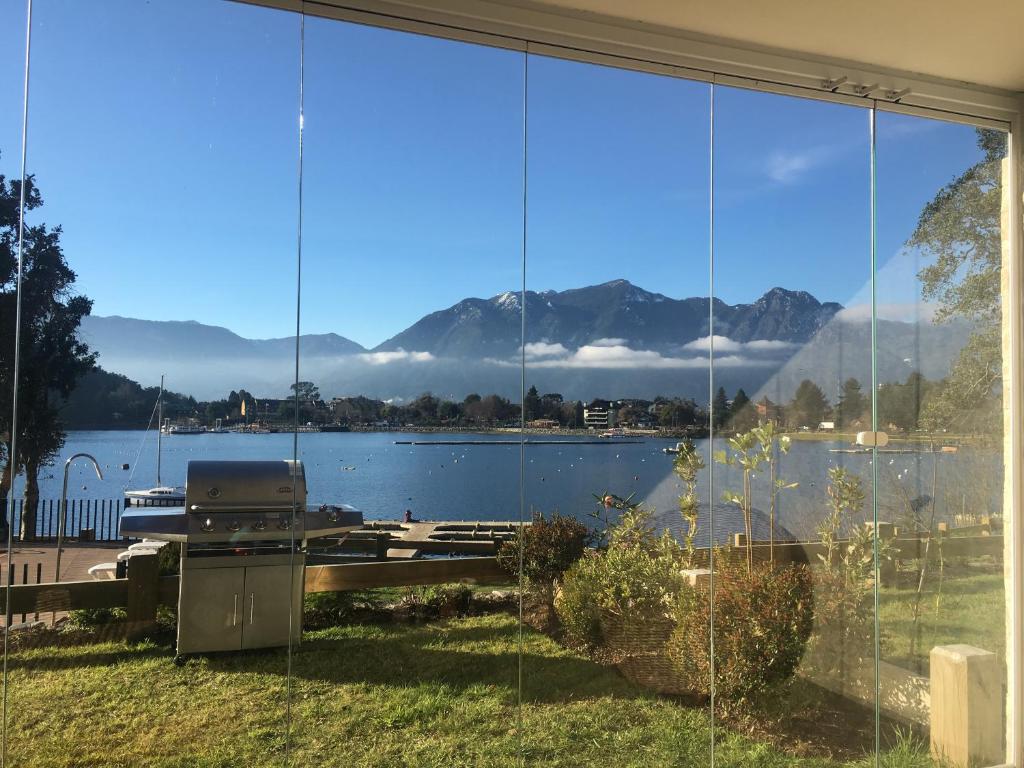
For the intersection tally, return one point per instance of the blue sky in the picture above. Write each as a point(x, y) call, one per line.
point(164, 138)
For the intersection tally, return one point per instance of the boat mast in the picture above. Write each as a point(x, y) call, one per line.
point(159, 426)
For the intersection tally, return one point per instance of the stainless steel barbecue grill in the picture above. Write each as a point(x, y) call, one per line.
point(243, 532)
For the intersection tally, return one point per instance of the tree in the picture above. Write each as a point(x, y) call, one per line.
point(306, 392)
point(900, 404)
point(532, 404)
point(808, 406)
point(742, 413)
point(852, 403)
point(52, 358)
point(720, 409)
point(577, 414)
point(960, 229)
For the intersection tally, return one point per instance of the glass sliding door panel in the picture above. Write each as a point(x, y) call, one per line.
point(13, 31)
point(411, 320)
point(794, 603)
point(616, 376)
point(160, 251)
point(943, 399)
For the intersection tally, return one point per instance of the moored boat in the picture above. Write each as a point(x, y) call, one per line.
point(160, 495)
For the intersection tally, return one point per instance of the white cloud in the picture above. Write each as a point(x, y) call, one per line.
point(398, 356)
point(903, 312)
point(722, 344)
point(543, 349)
point(769, 345)
point(619, 356)
point(789, 166)
point(608, 343)
point(725, 344)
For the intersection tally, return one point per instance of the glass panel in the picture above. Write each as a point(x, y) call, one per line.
point(13, 24)
point(794, 622)
point(162, 249)
point(942, 398)
point(616, 369)
point(412, 265)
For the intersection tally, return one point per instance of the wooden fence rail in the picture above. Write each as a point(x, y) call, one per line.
point(143, 589)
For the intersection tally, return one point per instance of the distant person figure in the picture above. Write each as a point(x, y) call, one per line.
point(409, 518)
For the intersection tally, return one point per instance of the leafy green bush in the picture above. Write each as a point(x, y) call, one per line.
point(844, 590)
point(446, 600)
point(576, 602)
point(168, 559)
point(619, 601)
point(549, 548)
point(92, 618)
point(326, 609)
point(545, 550)
point(434, 601)
point(762, 621)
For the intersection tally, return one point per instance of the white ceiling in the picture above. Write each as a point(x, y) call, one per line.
point(972, 41)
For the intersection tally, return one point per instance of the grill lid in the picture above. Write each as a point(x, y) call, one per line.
point(221, 487)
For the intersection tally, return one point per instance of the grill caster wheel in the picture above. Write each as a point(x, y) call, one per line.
point(179, 660)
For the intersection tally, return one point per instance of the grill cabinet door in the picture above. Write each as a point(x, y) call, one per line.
point(210, 609)
point(268, 604)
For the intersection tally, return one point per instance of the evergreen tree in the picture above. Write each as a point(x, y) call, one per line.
point(852, 405)
point(52, 358)
point(532, 404)
point(720, 409)
point(808, 407)
point(742, 414)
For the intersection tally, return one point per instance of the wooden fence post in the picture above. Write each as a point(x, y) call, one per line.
point(143, 595)
point(966, 706)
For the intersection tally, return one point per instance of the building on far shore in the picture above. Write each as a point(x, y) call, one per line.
point(768, 411)
point(543, 424)
point(599, 414)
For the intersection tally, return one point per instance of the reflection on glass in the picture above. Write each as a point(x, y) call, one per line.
point(156, 283)
point(941, 398)
point(409, 397)
point(616, 369)
point(794, 623)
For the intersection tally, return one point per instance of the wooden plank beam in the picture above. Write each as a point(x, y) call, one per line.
point(352, 576)
point(67, 595)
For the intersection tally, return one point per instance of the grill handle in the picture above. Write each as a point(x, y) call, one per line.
point(234, 612)
point(252, 607)
point(242, 508)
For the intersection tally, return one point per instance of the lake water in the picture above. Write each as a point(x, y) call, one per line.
point(474, 482)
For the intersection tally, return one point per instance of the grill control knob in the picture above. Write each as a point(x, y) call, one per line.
point(207, 525)
point(234, 526)
point(259, 525)
point(332, 514)
point(284, 524)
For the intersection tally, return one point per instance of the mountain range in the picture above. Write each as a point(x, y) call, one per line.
point(612, 339)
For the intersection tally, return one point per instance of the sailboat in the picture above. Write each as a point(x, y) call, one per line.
point(160, 495)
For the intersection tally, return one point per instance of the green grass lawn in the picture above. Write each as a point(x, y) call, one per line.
point(436, 694)
point(970, 608)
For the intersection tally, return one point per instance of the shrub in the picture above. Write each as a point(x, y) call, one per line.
point(843, 581)
point(446, 600)
point(549, 548)
point(434, 601)
point(619, 601)
point(326, 609)
point(84, 619)
point(576, 602)
point(762, 622)
point(168, 559)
